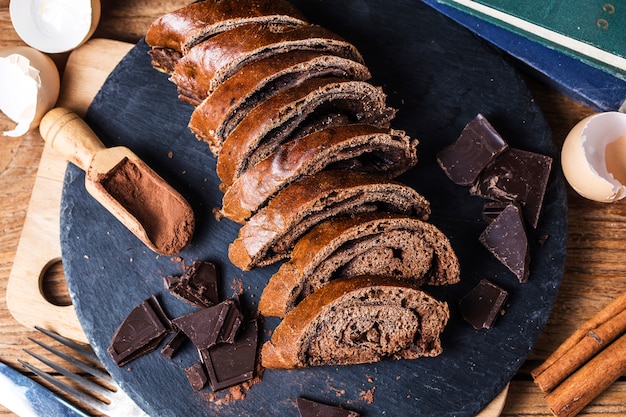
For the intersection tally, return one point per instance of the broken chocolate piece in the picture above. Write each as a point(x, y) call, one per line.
point(309, 408)
point(173, 344)
point(140, 332)
point(233, 321)
point(518, 176)
point(197, 376)
point(505, 237)
point(480, 307)
point(231, 364)
point(492, 209)
point(205, 327)
point(477, 146)
point(197, 285)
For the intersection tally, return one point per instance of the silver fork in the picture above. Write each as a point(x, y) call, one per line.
point(106, 398)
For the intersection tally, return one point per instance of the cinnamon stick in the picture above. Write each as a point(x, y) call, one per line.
point(582, 345)
point(572, 395)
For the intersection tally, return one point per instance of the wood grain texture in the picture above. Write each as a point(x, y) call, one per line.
point(594, 275)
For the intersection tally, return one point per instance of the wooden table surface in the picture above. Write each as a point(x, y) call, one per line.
point(595, 271)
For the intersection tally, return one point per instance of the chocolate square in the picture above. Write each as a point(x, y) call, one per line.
point(477, 146)
point(197, 285)
point(505, 237)
point(518, 176)
point(231, 364)
point(481, 306)
point(140, 333)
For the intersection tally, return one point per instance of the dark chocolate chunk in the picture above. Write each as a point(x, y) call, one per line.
point(233, 321)
point(481, 306)
point(197, 376)
point(309, 408)
point(197, 285)
point(206, 327)
point(505, 237)
point(492, 209)
point(517, 176)
point(174, 344)
point(140, 332)
point(473, 151)
point(231, 364)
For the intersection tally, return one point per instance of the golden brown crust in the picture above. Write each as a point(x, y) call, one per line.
point(308, 270)
point(289, 345)
point(364, 148)
point(214, 118)
point(283, 113)
point(208, 64)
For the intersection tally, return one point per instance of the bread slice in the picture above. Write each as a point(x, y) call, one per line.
point(358, 320)
point(174, 34)
point(312, 105)
point(399, 246)
point(357, 147)
point(216, 117)
point(208, 64)
point(271, 233)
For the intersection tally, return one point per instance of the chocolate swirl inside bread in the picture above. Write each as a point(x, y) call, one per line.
point(363, 148)
point(271, 233)
point(174, 34)
point(398, 246)
point(358, 320)
point(312, 105)
point(218, 115)
point(208, 64)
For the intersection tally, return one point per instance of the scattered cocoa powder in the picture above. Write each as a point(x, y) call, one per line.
point(167, 220)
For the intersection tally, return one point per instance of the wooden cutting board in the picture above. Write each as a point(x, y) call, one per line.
point(39, 247)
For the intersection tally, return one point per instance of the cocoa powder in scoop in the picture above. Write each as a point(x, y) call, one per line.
point(166, 221)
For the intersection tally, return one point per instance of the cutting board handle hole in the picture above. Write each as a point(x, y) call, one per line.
point(53, 285)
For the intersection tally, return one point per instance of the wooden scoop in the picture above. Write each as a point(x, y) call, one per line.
point(128, 188)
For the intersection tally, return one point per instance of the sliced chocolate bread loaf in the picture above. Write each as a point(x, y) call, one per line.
point(358, 320)
point(292, 113)
point(216, 117)
point(174, 34)
point(208, 64)
point(398, 246)
point(354, 147)
point(271, 233)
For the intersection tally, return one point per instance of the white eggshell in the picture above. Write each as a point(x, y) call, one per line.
point(54, 26)
point(29, 86)
point(583, 156)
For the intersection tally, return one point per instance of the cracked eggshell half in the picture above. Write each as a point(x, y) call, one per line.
point(593, 157)
point(29, 87)
point(54, 26)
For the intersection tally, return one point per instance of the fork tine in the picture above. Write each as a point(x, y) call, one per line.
point(78, 395)
point(80, 349)
point(98, 389)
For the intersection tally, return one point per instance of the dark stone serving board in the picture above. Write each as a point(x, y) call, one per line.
point(439, 76)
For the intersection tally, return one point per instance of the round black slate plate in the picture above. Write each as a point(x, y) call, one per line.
point(440, 77)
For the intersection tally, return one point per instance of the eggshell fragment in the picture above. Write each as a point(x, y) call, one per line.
point(54, 26)
point(29, 87)
point(584, 157)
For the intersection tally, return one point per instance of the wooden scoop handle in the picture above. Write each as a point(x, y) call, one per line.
point(69, 135)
